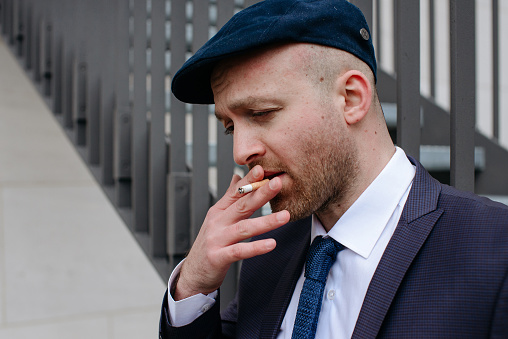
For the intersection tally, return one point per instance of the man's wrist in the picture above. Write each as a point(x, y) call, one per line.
point(172, 289)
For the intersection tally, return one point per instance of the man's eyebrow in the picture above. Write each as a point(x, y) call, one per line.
point(252, 102)
point(249, 102)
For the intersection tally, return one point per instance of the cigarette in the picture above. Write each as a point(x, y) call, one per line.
point(252, 187)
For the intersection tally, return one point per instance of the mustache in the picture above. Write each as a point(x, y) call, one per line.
point(271, 165)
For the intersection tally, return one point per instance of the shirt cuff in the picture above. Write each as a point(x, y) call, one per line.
point(185, 311)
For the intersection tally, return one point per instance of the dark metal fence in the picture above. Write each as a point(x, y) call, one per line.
point(105, 66)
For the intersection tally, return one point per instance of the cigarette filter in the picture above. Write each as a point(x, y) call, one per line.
point(252, 187)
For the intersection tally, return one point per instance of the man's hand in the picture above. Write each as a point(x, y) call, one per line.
point(219, 242)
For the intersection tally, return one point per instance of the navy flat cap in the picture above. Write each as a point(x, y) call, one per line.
point(334, 23)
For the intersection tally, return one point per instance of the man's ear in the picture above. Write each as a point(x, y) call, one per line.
point(357, 92)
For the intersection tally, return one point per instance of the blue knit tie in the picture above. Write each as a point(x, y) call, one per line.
point(321, 256)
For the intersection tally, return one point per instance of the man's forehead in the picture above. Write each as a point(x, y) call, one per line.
point(277, 57)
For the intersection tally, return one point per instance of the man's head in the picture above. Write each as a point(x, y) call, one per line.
point(305, 112)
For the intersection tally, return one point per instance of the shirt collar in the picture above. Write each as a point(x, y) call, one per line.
point(362, 224)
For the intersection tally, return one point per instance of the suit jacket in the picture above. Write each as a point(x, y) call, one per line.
point(444, 274)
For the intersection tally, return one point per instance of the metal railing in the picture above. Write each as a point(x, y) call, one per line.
point(105, 66)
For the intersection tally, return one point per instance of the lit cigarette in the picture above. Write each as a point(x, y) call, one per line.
point(252, 187)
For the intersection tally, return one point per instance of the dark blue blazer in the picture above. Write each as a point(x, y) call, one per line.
point(444, 274)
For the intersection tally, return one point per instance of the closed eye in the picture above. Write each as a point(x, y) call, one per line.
point(229, 130)
point(262, 116)
point(264, 113)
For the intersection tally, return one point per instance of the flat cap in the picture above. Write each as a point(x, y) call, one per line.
point(333, 23)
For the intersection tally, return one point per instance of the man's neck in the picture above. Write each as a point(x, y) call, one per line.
point(329, 215)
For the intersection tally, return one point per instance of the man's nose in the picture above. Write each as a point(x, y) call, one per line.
point(247, 147)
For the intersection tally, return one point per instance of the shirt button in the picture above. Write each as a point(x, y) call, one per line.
point(331, 294)
point(205, 308)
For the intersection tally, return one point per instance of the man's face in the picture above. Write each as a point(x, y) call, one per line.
point(281, 121)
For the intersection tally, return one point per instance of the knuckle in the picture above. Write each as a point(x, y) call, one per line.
point(211, 213)
point(241, 206)
point(231, 193)
point(236, 252)
point(209, 238)
point(242, 229)
point(214, 259)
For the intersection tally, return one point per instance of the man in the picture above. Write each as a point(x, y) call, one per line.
point(293, 82)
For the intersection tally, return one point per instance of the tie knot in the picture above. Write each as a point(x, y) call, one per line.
point(321, 256)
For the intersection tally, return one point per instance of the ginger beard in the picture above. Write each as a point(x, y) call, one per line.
point(326, 171)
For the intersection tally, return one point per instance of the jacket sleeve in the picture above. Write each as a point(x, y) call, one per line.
point(207, 326)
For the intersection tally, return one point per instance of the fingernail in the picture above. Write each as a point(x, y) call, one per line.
point(281, 216)
point(256, 171)
point(273, 183)
point(270, 244)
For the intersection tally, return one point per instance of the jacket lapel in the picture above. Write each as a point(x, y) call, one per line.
point(272, 319)
point(417, 220)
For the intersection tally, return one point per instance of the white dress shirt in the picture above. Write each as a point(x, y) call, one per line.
point(365, 230)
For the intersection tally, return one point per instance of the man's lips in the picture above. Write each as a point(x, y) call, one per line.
point(271, 175)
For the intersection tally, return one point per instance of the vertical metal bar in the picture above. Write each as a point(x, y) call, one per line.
point(3, 16)
point(432, 51)
point(46, 47)
point(57, 51)
point(395, 34)
point(408, 76)
point(93, 61)
point(68, 55)
point(9, 31)
point(5, 19)
point(379, 44)
point(10, 22)
point(158, 151)
point(179, 180)
point(27, 41)
point(178, 50)
point(107, 71)
point(21, 28)
point(18, 27)
point(122, 138)
point(36, 34)
point(367, 9)
point(200, 159)
point(495, 67)
point(139, 122)
point(463, 100)
point(225, 163)
point(79, 100)
point(79, 76)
